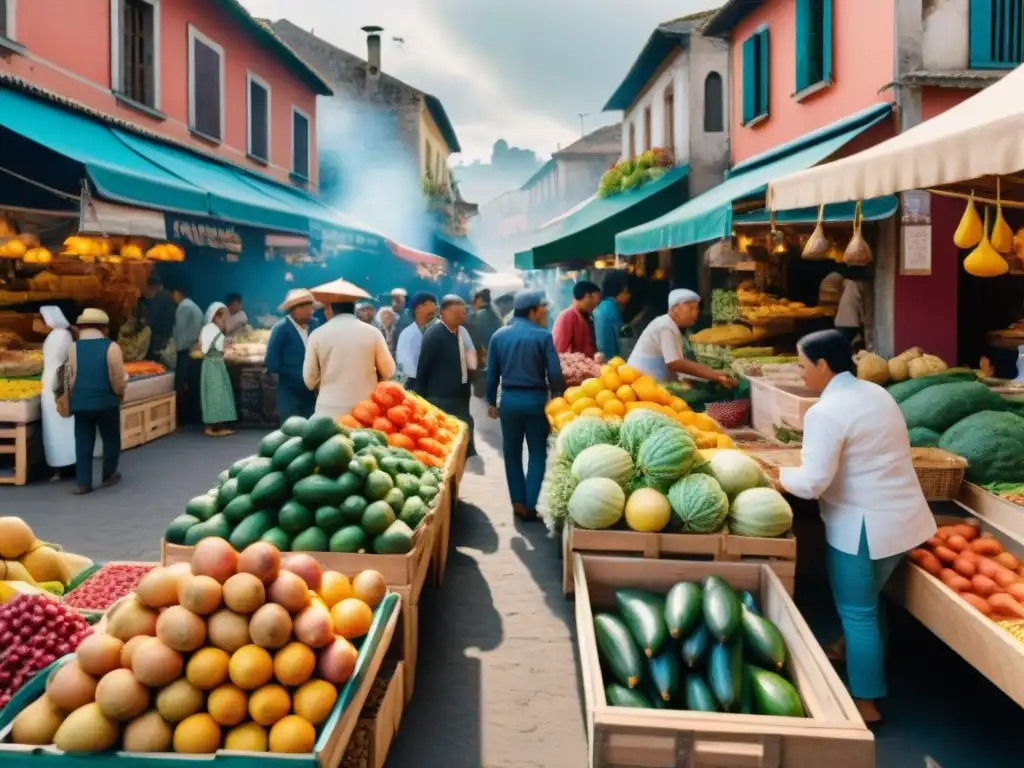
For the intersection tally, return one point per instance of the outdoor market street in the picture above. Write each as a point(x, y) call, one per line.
point(496, 682)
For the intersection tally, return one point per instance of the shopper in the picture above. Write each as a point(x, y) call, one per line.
point(523, 361)
point(446, 362)
point(856, 461)
point(483, 322)
point(134, 336)
point(366, 312)
point(58, 432)
point(608, 320)
point(96, 380)
point(286, 352)
point(424, 311)
point(217, 395)
point(387, 323)
point(188, 322)
point(402, 313)
point(574, 327)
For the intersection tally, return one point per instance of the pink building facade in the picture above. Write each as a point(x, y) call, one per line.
point(202, 73)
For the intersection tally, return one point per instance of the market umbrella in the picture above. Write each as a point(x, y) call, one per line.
point(337, 291)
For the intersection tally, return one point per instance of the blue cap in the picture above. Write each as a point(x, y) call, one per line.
point(526, 300)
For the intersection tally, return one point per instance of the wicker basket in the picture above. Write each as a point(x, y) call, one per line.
point(939, 472)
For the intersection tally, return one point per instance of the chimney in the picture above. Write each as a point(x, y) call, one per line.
point(373, 50)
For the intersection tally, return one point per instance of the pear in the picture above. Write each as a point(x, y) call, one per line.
point(985, 261)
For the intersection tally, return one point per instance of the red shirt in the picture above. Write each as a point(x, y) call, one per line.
point(572, 332)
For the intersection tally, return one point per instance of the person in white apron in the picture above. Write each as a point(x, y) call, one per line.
point(58, 432)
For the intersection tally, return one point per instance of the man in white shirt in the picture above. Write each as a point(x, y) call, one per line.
point(237, 321)
point(345, 358)
point(423, 308)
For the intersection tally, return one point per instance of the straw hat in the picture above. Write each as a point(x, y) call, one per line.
point(297, 298)
point(338, 291)
point(93, 316)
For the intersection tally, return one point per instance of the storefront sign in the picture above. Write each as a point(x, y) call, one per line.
point(205, 234)
point(324, 240)
point(916, 233)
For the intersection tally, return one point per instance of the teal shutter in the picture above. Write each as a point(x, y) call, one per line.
point(804, 47)
point(980, 23)
point(763, 103)
point(826, 40)
point(750, 84)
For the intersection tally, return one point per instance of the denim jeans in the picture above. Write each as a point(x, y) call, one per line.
point(108, 422)
point(522, 419)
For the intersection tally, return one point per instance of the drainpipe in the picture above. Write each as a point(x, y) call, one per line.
point(372, 55)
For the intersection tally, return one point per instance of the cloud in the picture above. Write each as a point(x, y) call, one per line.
point(521, 70)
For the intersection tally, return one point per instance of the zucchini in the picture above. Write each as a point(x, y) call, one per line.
point(619, 696)
point(617, 649)
point(683, 608)
point(772, 694)
point(725, 673)
point(721, 610)
point(763, 640)
point(693, 648)
point(643, 614)
point(698, 695)
point(665, 671)
point(750, 603)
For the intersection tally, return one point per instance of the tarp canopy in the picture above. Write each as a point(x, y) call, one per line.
point(970, 144)
point(875, 209)
point(709, 216)
point(588, 232)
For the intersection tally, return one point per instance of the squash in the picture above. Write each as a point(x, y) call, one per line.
point(760, 512)
point(597, 503)
point(817, 246)
point(603, 461)
point(870, 367)
point(648, 511)
point(969, 230)
point(699, 503)
point(858, 252)
point(45, 564)
point(1002, 235)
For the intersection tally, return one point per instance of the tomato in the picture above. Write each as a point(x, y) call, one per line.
point(399, 415)
point(415, 431)
point(383, 425)
point(398, 440)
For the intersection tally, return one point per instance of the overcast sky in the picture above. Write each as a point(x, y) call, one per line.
point(521, 70)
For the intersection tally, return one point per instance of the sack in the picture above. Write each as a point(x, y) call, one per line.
point(817, 245)
point(858, 253)
point(63, 383)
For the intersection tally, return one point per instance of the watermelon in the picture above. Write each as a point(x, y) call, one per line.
point(664, 457)
point(641, 424)
point(699, 503)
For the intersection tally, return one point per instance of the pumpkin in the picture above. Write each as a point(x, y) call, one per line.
point(760, 512)
point(603, 461)
point(648, 511)
point(735, 471)
point(699, 503)
point(597, 503)
point(664, 457)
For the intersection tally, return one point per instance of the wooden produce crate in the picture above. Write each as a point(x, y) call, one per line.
point(977, 639)
point(24, 444)
point(779, 553)
point(23, 411)
point(379, 720)
point(148, 420)
point(832, 735)
point(781, 404)
point(993, 509)
point(446, 505)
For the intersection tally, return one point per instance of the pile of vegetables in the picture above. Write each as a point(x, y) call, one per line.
point(628, 175)
point(702, 647)
point(725, 307)
point(976, 567)
point(577, 368)
point(648, 474)
point(911, 364)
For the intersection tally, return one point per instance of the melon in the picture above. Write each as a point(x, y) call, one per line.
point(760, 512)
point(16, 538)
point(735, 471)
point(648, 510)
point(597, 503)
point(700, 503)
point(664, 457)
point(608, 461)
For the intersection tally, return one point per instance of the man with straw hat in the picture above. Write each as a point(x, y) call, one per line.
point(286, 353)
point(345, 358)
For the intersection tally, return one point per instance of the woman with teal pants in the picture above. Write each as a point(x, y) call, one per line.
point(856, 462)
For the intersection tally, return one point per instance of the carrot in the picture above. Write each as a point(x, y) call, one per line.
point(965, 568)
point(978, 603)
point(983, 585)
point(967, 530)
point(1017, 590)
point(1008, 560)
point(1004, 605)
point(945, 554)
point(986, 546)
point(957, 543)
point(954, 580)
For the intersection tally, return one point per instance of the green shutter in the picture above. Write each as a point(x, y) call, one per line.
point(804, 47)
point(826, 40)
point(763, 103)
point(980, 22)
point(750, 84)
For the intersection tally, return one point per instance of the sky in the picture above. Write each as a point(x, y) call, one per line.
point(521, 70)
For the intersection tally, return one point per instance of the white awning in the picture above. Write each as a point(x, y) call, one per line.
point(110, 219)
point(982, 136)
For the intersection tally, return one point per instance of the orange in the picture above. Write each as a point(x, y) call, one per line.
point(250, 667)
point(591, 387)
point(627, 374)
point(246, 738)
point(197, 735)
point(594, 411)
point(334, 587)
point(269, 704)
point(352, 618)
point(572, 394)
point(606, 369)
point(583, 403)
point(612, 380)
point(315, 700)
point(639, 406)
point(563, 419)
point(292, 735)
point(207, 668)
point(678, 404)
point(686, 417)
point(557, 405)
point(604, 397)
point(626, 394)
point(294, 664)
point(615, 408)
point(706, 423)
point(724, 441)
point(616, 362)
point(228, 704)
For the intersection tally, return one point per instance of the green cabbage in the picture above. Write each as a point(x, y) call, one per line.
point(699, 503)
point(583, 433)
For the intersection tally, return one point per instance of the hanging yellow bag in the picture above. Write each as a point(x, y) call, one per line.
point(985, 261)
point(1002, 235)
point(858, 252)
point(817, 245)
point(969, 230)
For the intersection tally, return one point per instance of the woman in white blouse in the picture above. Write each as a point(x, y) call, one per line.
point(216, 394)
point(856, 462)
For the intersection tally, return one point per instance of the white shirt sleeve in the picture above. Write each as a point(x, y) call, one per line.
point(670, 350)
point(469, 349)
point(311, 364)
point(382, 356)
point(819, 457)
point(406, 353)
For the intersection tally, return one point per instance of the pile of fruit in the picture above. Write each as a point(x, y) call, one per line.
point(35, 631)
point(701, 647)
point(577, 368)
point(19, 389)
point(316, 486)
point(105, 586)
point(977, 567)
point(408, 421)
point(649, 475)
point(234, 651)
point(28, 565)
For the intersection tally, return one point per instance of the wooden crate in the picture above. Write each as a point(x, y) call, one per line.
point(378, 722)
point(779, 554)
point(133, 426)
point(446, 506)
point(148, 420)
point(780, 404)
point(832, 735)
point(22, 442)
point(993, 509)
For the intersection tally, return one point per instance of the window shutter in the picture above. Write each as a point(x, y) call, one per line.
point(3, 18)
point(826, 40)
point(750, 84)
point(300, 146)
point(763, 103)
point(207, 90)
point(980, 23)
point(804, 45)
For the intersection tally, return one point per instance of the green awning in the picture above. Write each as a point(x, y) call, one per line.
point(590, 231)
point(118, 173)
point(875, 209)
point(709, 217)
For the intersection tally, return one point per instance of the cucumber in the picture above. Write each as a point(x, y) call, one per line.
point(750, 603)
point(616, 647)
point(643, 614)
point(698, 695)
point(721, 610)
point(717, 581)
point(665, 670)
point(654, 697)
point(694, 647)
point(746, 694)
point(725, 673)
point(251, 529)
point(682, 608)
point(763, 640)
point(624, 697)
point(773, 694)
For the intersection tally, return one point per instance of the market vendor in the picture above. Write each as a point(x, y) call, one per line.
point(574, 327)
point(237, 321)
point(856, 461)
point(286, 351)
point(662, 351)
point(608, 320)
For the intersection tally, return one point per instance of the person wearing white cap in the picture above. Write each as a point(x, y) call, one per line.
point(58, 432)
point(286, 352)
point(661, 351)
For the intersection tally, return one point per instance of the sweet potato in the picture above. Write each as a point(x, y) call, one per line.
point(983, 585)
point(1008, 560)
point(1017, 591)
point(1004, 605)
point(944, 532)
point(934, 542)
point(978, 603)
point(968, 531)
point(986, 546)
point(957, 543)
point(945, 554)
point(965, 568)
point(1005, 578)
point(954, 580)
point(969, 556)
point(1020, 571)
point(930, 563)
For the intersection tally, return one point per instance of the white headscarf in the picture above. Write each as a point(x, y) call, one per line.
point(211, 331)
point(54, 318)
point(682, 296)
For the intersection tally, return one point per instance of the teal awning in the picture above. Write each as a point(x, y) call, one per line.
point(709, 216)
point(875, 209)
point(590, 231)
point(117, 172)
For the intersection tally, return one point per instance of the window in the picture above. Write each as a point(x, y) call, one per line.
point(7, 19)
point(647, 128)
point(259, 118)
point(813, 43)
point(714, 112)
point(300, 144)
point(206, 86)
point(670, 118)
point(996, 33)
point(632, 141)
point(135, 51)
point(755, 76)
